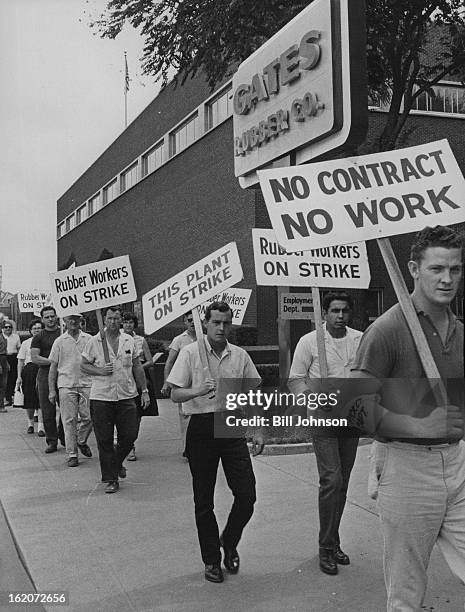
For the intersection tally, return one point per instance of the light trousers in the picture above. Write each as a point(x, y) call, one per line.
point(421, 501)
point(74, 401)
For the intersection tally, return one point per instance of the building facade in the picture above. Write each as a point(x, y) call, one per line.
point(165, 193)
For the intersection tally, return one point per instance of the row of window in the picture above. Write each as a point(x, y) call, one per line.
point(214, 111)
point(444, 98)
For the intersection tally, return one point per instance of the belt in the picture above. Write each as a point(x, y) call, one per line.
point(424, 441)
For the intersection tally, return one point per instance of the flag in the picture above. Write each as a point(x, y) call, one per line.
point(126, 73)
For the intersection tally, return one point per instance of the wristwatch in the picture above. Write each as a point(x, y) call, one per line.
point(144, 391)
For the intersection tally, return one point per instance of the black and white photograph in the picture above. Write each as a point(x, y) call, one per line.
point(231, 306)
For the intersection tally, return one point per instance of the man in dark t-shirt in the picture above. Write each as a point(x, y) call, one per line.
point(418, 472)
point(41, 346)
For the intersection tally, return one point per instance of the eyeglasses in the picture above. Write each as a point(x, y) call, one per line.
point(8, 327)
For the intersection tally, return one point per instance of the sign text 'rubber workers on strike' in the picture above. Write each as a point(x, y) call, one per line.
point(96, 285)
point(362, 198)
point(191, 287)
point(336, 266)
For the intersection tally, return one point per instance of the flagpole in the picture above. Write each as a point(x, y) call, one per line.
point(126, 88)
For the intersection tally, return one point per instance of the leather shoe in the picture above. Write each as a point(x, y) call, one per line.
point(73, 462)
point(328, 562)
point(231, 558)
point(122, 473)
point(30, 429)
point(41, 433)
point(85, 450)
point(51, 448)
point(213, 573)
point(340, 557)
point(112, 487)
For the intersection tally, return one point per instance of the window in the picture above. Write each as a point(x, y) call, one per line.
point(442, 99)
point(69, 223)
point(219, 109)
point(94, 204)
point(81, 214)
point(153, 159)
point(60, 230)
point(110, 192)
point(129, 177)
point(184, 135)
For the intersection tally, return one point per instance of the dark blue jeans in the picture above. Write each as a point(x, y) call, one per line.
point(204, 452)
point(105, 417)
point(335, 457)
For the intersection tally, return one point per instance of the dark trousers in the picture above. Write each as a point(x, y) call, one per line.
point(3, 378)
point(49, 411)
point(335, 457)
point(204, 452)
point(105, 417)
point(12, 376)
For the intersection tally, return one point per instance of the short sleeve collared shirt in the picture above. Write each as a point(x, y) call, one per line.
point(234, 372)
point(120, 384)
point(66, 353)
point(181, 341)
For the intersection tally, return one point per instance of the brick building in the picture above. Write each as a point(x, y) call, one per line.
point(165, 193)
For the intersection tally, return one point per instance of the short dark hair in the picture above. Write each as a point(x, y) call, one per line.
point(114, 308)
point(337, 295)
point(221, 306)
point(34, 322)
point(186, 314)
point(45, 308)
point(130, 316)
point(439, 236)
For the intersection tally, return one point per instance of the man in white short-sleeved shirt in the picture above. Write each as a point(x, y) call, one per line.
point(73, 387)
point(203, 397)
point(114, 387)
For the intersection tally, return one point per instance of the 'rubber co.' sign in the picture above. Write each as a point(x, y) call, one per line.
point(303, 91)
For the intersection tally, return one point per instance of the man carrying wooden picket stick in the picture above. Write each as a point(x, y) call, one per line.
point(335, 447)
point(202, 395)
point(418, 460)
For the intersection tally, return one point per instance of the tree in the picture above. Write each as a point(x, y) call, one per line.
point(215, 35)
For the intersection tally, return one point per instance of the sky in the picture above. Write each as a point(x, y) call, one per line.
point(62, 104)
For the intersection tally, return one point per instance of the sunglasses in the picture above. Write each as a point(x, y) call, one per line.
point(7, 327)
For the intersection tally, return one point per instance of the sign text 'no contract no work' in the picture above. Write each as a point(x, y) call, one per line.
point(191, 287)
point(365, 197)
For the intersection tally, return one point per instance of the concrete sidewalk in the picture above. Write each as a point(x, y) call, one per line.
point(138, 550)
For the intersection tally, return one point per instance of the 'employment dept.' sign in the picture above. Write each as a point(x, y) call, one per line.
point(362, 198)
point(96, 285)
point(191, 287)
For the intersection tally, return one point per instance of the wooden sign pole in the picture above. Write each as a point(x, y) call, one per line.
point(201, 341)
point(284, 342)
point(320, 333)
point(106, 353)
point(405, 302)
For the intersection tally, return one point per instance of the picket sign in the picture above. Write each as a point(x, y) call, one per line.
point(405, 302)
